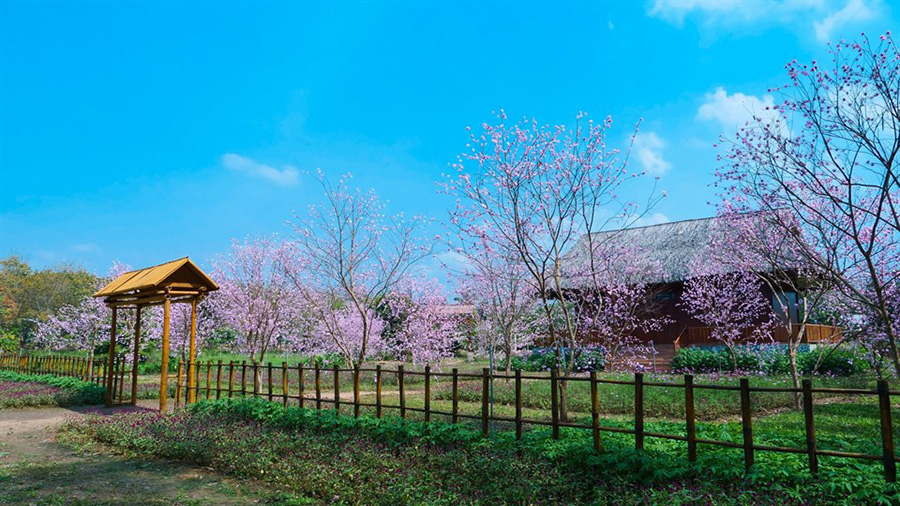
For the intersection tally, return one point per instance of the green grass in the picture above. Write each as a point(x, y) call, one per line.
point(32, 390)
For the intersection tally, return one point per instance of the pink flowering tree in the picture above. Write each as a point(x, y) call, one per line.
point(255, 298)
point(731, 303)
point(827, 154)
point(506, 308)
point(533, 190)
point(348, 255)
point(419, 327)
point(619, 285)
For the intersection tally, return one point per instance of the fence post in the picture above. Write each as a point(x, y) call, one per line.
point(401, 387)
point(810, 426)
point(230, 378)
point(269, 381)
point(243, 378)
point(378, 391)
point(284, 383)
point(518, 404)
point(554, 401)
point(255, 376)
point(887, 432)
point(318, 387)
point(639, 411)
point(454, 417)
point(356, 392)
point(208, 379)
point(337, 389)
point(177, 387)
point(690, 419)
point(427, 393)
point(219, 379)
point(595, 412)
point(747, 423)
point(485, 392)
point(300, 379)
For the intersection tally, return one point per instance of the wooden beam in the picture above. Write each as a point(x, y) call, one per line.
point(137, 349)
point(164, 374)
point(192, 357)
point(111, 357)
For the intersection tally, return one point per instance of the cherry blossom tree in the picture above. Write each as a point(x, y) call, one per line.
point(255, 297)
point(419, 327)
point(506, 306)
point(533, 190)
point(348, 255)
point(731, 303)
point(827, 153)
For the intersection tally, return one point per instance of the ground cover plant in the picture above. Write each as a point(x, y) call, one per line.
point(339, 459)
point(24, 390)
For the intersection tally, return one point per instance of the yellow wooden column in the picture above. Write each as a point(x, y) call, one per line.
point(112, 357)
point(137, 348)
point(192, 354)
point(164, 375)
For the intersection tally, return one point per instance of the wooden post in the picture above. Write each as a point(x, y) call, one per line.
point(137, 348)
point(638, 411)
point(485, 408)
point(318, 388)
point(300, 384)
point(243, 378)
point(178, 387)
point(887, 432)
point(810, 426)
point(454, 417)
point(164, 374)
point(208, 379)
point(400, 387)
point(111, 357)
point(595, 412)
point(356, 392)
point(269, 380)
point(337, 389)
point(747, 423)
point(230, 378)
point(518, 404)
point(197, 381)
point(690, 418)
point(219, 379)
point(554, 401)
point(255, 376)
point(427, 393)
point(378, 391)
point(284, 384)
point(192, 353)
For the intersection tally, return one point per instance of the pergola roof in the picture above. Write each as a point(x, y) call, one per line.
point(152, 285)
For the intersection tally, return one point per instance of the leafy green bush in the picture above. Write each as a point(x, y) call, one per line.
point(768, 360)
point(346, 460)
point(544, 359)
point(21, 390)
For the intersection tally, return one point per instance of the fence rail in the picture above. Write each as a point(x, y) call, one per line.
point(306, 387)
point(290, 385)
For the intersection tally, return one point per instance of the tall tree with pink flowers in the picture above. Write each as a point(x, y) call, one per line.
point(828, 154)
point(348, 256)
point(255, 297)
point(534, 190)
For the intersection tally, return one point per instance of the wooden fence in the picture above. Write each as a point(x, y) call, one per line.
point(217, 380)
point(94, 371)
point(289, 385)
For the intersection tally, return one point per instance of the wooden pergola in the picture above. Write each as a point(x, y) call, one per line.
point(178, 281)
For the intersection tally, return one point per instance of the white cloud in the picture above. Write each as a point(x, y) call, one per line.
point(648, 150)
point(651, 219)
point(855, 11)
point(86, 248)
point(735, 110)
point(826, 16)
point(287, 176)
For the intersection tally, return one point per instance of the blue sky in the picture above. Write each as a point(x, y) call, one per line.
point(149, 131)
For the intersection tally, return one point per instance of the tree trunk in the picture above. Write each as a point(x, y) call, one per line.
point(733, 354)
point(563, 403)
point(795, 375)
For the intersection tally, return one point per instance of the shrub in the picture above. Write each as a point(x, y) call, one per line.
point(544, 359)
point(21, 390)
point(768, 359)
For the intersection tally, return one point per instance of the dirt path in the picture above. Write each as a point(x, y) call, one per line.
point(36, 469)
